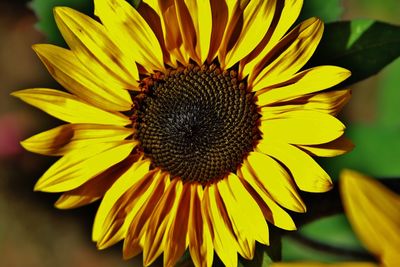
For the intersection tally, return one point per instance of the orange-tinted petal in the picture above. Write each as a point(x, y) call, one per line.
point(160, 222)
point(224, 241)
point(200, 242)
point(134, 239)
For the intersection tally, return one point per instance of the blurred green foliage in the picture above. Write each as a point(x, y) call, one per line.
point(327, 10)
point(329, 239)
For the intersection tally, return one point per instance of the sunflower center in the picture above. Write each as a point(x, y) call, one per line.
point(196, 123)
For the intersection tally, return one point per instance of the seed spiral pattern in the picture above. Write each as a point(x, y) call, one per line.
point(197, 123)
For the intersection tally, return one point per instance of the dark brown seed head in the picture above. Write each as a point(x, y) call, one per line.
point(197, 123)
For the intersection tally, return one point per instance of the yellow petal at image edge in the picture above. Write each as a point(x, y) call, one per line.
point(309, 176)
point(121, 202)
point(63, 65)
point(255, 14)
point(62, 139)
point(298, 46)
point(78, 166)
point(310, 128)
point(269, 174)
point(200, 241)
point(374, 214)
point(308, 81)
point(91, 44)
point(288, 16)
point(128, 28)
point(224, 242)
point(69, 108)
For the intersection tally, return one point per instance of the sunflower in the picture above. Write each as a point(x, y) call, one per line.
point(193, 121)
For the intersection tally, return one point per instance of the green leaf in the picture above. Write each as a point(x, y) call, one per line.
point(328, 10)
point(388, 98)
point(334, 231)
point(330, 239)
point(294, 249)
point(363, 46)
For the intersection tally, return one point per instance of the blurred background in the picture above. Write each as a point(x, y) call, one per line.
point(35, 234)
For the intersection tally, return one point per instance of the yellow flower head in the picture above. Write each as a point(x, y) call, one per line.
point(194, 121)
point(374, 214)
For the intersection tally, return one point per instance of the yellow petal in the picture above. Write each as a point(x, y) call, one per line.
point(79, 166)
point(176, 237)
point(305, 82)
point(243, 211)
point(335, 148)
point(201, 18)
point(308, 175)
point(232, 27)
point(268, 173)
point(303, 128)
point(76, 78)
point(95, 188)
point(219, 10)
point(68, 107)
point(152, 17)
point(134, 238)
point(255, 14)
point(240, 223)
point(114, 201)
point(203, 26)
point(288, 56)
point(327, 102)
point(167, 12)
point(200, 242)
point(160, 222)
point(92, 46)
point(126, 206)
point(220, 226)
point(272, 211)
point(187, 28)
point(374, 214)
point(129, 29)
point(71, 201)
point(68, 137)
point(136, 171)
point(285, 16)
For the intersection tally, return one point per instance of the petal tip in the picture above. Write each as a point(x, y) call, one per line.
point(38, 186)
point(15, 94)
